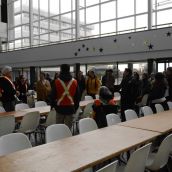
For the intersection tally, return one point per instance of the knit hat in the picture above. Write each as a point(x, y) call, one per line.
point(65, 68)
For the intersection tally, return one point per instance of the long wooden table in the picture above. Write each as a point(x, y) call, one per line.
point(42, 110)
point(19, 114)
point(83, 103)
point(77, 152)
point(160, 122)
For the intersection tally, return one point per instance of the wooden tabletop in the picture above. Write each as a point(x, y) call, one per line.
point(19, 114)
point(85, 102)
point(77, 152)
point(42, 110)
point(160, 122)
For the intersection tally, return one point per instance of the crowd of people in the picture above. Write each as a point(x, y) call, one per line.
point(64, 92)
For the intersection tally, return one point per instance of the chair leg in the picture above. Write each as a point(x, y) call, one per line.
point(35, 137)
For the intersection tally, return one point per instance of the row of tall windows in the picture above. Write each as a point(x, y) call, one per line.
point(39, 22)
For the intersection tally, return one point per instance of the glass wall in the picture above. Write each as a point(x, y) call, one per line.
point(118, 69)
point(40, 22)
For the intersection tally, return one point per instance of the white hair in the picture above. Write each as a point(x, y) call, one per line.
point(6, 69)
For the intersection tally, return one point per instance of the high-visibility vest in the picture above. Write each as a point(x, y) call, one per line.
point(65, 92)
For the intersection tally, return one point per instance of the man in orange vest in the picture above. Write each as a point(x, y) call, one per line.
point(7, 89)
point(65, 96)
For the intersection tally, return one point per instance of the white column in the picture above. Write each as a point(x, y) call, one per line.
point(31, 22)
point(0, 10)
point(77, 32)
point(150, 7)
point(0, 21)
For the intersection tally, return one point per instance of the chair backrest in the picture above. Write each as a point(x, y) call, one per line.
point(2, 109)
point(97, 96)
point(162, 156)
point(51, 118)
point(13, 142)
point(130, 114)
point(29, 122)
point(137, 161)
point(144, 100)
point(88, 98)
point(21, 106)
point(88, 110)
point(7, 124)
point(112, 119)
point(57, 132)
point(117, 94)
point(159, 108)
point(147, 110)
point(40, 104)
point(109, 168)
point(169, 105)
point(86, 125)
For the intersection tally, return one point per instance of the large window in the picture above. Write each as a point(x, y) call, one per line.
point(37, 22)
point(162, 10)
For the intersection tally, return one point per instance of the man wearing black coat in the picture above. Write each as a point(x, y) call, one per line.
point(7, 89)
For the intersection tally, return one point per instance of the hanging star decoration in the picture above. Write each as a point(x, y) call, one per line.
point(94, 49)
point(129, 37)
point(150, 46)
point(115, 40)
point(168, 34)
point(83, 45)
point(75, 54)
point(101, 50)
point(87, 49)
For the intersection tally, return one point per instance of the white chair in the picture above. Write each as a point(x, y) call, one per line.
point(117, 94)
point(7, 124)
point(13, 142)
point(86, 125)
point(56, 132)
point(159, 108)
point(137, 161)
point(88, 98)
point(130, 114)
point(169, 105)
point(29, 123)
point(2, 109)
point(51, 118)
point(112, 119)
point(97, 96)
point(143, 101)
point(147, 110)
point(75, 121)
point(40, 104)
point(157, 161)
point(21, 106)
point(109, 168)
point(87, 110)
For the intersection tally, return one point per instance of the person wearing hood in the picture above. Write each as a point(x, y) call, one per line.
point(65, 96)
point(103, 106)
point(92, 84)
